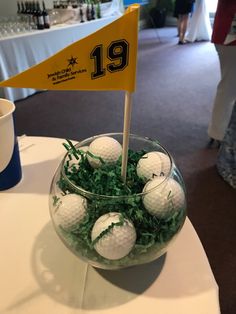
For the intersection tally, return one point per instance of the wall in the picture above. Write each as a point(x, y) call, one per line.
point(9, 7)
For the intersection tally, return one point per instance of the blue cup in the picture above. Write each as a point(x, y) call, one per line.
point(10, 166)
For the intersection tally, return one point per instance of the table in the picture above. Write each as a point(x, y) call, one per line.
point(40, 275)
point(20, 52)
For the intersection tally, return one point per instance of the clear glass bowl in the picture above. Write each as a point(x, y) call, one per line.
point(148, 219)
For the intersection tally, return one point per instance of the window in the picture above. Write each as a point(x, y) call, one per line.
point(211, 5)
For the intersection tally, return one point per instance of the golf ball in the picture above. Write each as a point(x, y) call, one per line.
point(118, 241)
point(153, 164)
point(106, 148)
point(71, 210)
point(167, 196)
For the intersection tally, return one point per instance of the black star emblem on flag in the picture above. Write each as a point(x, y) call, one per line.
point(72, 61)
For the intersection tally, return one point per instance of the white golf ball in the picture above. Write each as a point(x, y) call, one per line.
point(71, 210)
point(105, 147)
point(167, 196)
point(118, 241)
point(72, 161)
point(153, 164)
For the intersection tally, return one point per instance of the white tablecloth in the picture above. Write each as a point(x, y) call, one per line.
point(20, 52)
point(39, 275)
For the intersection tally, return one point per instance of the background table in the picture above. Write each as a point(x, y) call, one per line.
point(20, 52)
point(40, 275)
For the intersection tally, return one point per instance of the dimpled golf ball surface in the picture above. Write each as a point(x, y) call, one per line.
point(105, 147)
point(153, 164)
point(71, 210)
point(118, 241)
point(168, 196)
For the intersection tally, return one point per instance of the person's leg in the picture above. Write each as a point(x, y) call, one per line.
point(183, 23)
point(226, 93)
point(226, 157)
point(180, 28)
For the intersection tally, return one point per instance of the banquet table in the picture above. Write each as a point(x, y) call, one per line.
point(20, 52)
point(40, 275)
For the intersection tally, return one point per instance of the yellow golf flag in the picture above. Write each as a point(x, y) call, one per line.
point(104, 60)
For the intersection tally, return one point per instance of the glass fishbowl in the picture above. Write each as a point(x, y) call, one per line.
point(109, 221)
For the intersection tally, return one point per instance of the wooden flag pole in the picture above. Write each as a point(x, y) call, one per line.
point(126, 132)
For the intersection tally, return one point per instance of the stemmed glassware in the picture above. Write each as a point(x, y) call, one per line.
point(14, 25)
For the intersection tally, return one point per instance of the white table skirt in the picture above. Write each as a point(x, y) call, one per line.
point(20, 52)
point(40, 275)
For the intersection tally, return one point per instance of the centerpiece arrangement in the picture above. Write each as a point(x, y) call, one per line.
point(111, 223)
point(116, 200)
